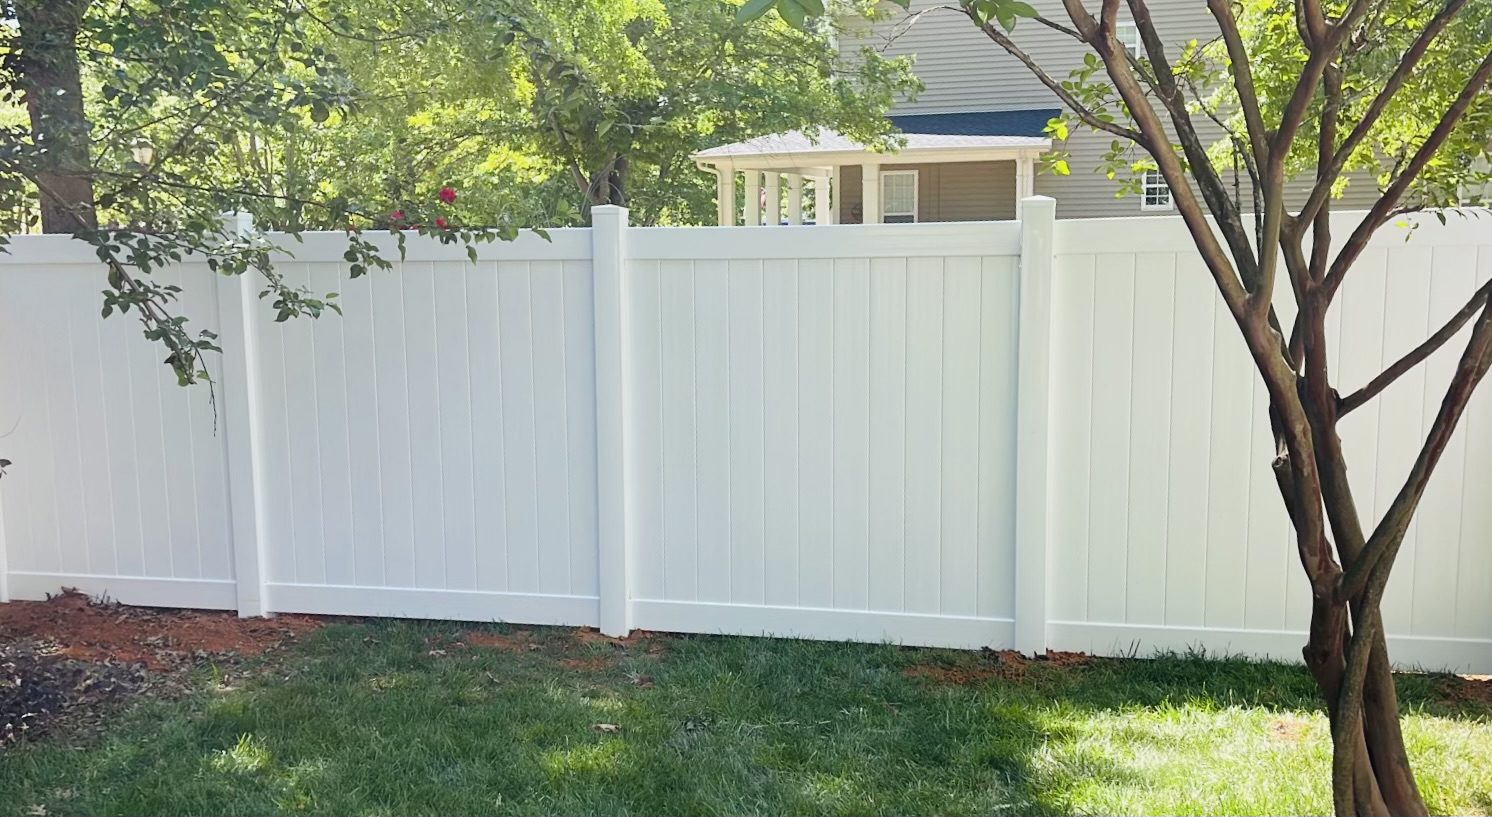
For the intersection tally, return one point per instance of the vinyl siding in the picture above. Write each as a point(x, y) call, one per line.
point(962, 70)
point(946, 191)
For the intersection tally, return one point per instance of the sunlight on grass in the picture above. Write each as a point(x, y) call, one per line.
point(597, 759)
point(368, 721)
point(249, 755)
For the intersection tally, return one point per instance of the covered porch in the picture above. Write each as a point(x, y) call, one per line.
point(958, 174)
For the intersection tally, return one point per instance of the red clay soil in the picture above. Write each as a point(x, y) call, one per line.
point(1008, 665)
point(79, 628)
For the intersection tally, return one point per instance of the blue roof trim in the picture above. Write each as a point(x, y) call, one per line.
point(978, 123)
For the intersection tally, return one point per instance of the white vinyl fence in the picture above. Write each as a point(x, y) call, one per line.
point(1017, 434)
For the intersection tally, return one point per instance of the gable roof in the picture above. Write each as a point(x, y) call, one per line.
point(981, 129)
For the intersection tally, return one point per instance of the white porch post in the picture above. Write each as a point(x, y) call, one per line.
point(823, 211)
point(725, 196)
point(831, 195)
point(1025, 181)
point(774, 198)
point(794, 198)
point(870, 193)
point(753, 209)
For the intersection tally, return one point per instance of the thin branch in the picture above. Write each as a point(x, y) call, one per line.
point(1243, 78)
point(1380, 213)
point(1087, 116)
point(1408, 362)
point(1223, 207)
point(1383, 545)
point(1386, 94)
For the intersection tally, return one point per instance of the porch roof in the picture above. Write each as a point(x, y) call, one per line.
point(972, 136)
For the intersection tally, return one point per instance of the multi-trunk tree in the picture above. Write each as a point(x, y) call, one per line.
point(1313, 90)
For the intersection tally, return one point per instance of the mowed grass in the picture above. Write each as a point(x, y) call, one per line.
point(414, 718)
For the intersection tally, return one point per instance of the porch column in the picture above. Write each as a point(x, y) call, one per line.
point(826, 197)
point(753, 210)
point(794, 198)
point(1025, 180)
point(774, 198)
point(725, 196)
point(870, 193)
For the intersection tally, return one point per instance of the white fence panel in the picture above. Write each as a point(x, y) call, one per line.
point(824, 422)
point(434, 449)
point(1168, 531)
point(811, 431)
point(120, 484)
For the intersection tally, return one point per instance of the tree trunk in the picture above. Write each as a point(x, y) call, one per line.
point(51, 77)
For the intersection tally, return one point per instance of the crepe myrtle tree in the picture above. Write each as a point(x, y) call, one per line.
point(1298, 89)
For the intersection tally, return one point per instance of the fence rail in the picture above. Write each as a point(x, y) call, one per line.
point(1011, 434)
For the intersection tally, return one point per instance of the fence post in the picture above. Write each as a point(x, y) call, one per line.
point(240, 406)
point(1038, 223)
point(608, 259)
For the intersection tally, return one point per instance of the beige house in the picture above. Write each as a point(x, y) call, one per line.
point(973, 134)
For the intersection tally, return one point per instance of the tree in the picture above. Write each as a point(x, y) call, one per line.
point(547, 107)
point(1312, 89)
point(127, 102)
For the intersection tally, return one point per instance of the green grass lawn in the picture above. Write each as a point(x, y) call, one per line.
point(409, 718)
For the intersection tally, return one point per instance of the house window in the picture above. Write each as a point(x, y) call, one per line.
point(899, 196)
point(1155, 194)
point(1128, 35)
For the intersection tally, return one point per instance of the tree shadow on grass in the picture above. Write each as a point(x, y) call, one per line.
point(413, 717)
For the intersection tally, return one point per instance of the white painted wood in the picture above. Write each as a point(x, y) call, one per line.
point(752, 207)
point(1033, 398)
point(611, 339)
point(870, 193)
point(725, 197)
point(773, 191)
point(794, 198)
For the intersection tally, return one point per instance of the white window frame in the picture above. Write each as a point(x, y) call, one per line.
point(916, 194)
point(1151, 181)
point(1128, 35)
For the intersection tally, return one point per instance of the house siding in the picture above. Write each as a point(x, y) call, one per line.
point(946, 191)
point(962, 70)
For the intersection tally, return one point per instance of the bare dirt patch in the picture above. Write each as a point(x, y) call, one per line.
point(77, 659)
point(1289, 730)
point(73, 626)
point(1006, 665)
point(507, 642)
point(1464, 689)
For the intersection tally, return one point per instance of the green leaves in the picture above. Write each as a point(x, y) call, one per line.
point(1006, 12)
point(752, 9)
point(795, 12)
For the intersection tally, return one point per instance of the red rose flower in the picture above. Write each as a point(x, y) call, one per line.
point(448, 195)
point(397, 215)
point(440, 222)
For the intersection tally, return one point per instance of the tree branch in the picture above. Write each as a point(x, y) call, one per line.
point(1408, 362)
point(1383, 545)
point(1243, 78)
point(1381, 210)
point(1411, 59)
point(1087, 116)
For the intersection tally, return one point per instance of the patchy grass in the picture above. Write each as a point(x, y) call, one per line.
point(416, 718)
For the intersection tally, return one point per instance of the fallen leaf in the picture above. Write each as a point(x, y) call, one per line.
point(606, 728)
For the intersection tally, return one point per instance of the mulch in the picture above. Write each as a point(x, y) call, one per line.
point(76, 659)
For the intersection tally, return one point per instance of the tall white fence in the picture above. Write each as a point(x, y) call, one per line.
point(1019, 434)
